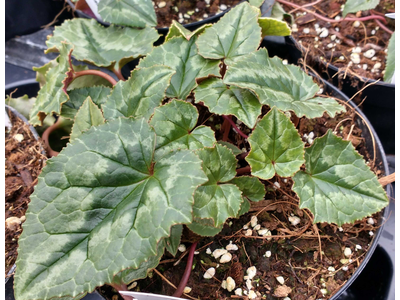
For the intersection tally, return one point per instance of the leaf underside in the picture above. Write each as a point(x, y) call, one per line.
point(390, 61)
point(139, 95)
point(285, 86)
point(337, 186)
point(353, 6)
point(235, 35)
point(276, 147)
point(102, 46)
point(181, 55)
point(105, 186)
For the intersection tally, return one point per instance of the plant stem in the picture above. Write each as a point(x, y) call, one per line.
point(97, 73)
point(186, 274)
point(234, 126)
point(122, 287)
point(383, 26)
point(243, 170)
point(373, 17)
point(119, 74)
point(45, 138)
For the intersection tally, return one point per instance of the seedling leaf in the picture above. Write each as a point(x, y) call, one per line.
point(353, 6)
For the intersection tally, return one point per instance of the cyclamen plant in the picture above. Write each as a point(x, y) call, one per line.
point(139, 164)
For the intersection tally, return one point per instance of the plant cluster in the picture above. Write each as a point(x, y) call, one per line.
point(140, 165)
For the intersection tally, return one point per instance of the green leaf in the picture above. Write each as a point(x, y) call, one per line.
point(390, 61)
point(172, 243)
point(204, 227)
point(87, 116)
point(102, 46)
point(244, 207)
point(337, 186)
point(181, 55)
point(51, 96)
point(22, 104)
point(134, 13)
point(217, 199)
point(223, 100)
point(98, 94)
point(177, 29)
point(256, 3)
point(235, 35)
point(285, 86)
point(101, 206)
point(236, 151)
point(276, 147)
point(140, 94)
point(278, 12)
point(41, 71)
point(271, 26)
point(174, 125)
point(251, 187)
point(352, 6)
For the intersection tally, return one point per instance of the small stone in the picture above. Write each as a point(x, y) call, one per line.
point(19, 137)
point(223, 284)
point(230, 284)
point(330, 45)
point(219, 252)
point(196, 10)
point(180, 16)
point(295, 220)
point(196, 253)
point(355, 58)
point(231, 247)
point(262, 232)
point(182, 248)
point(205, 16)
point(294, 28)
point(186, 16)
point(358, 247)
point(251, 272)
point(371, 233)
point(209, 273)
point(373, 31)
point(377, 28)
point(356, 50)
point(248, 232)
point(181, 20)
point(341, 229)
point(331, 269)
point(316, 39)
point(187, 290)
point(253, 221)
point(276, 185)
point(306, 30)
point(22, 219)
point(316, 25)
point(344, 261)
point(369, 53)
point(337, 18)
point(257, 227)
point(208, 251)
point(227, 257)
point(337, 41)
point(245, 227)
point(324, 292)
point(345, 268)
point(365, 66)
point(175, 8)
point(356, 24)
point(285, 61)
point(162, 4)
point(280, 279)
point(207, 1)
point(252, 295)
point(12, 223)
point(350, 261)
point(371, 221)
point(341, 57)
point(377, 66)
point(239, 292)
point(282, 291)
point(268, 254)
point(337, 29)
point(249, 284)
point(223, 7)
point(347, 252)
point(324, 33)
point(333, 37)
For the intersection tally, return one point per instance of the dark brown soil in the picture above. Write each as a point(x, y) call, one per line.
point(295, 250)
point(23, 164)
point(337, 50)
point(185, 11)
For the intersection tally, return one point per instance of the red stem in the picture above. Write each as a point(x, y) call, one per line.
point(97, 73)
point(243, 170)
point(45, 138)
point(382, 26)
point(186, 275)
point(234, 126)
point(119, 74)
point(122, 287)
point(373, 17)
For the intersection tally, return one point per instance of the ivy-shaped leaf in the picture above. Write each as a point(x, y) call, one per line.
point(251, 187)
point(172, 243)
point(41, 71)
point(134, 13)
point(51, 96)
point(204, 227)
point(236, 151)
point(235, 35)
point(244, 207)
point(140, 94)
point(390, 61)
point(87, 116)
point(223, 100)
point(285, 86)
point(102, 46)
point(98, 94)
point(353, 6)
point(276, 147)
point(176, 29)
point(181, 55)
point(102, 206)
point(175, 123)
point(217, 199)
point(337, 186)
point(271, 26)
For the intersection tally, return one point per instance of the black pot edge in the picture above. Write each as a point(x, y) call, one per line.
point(379, 149)
point(162, 30)
point(292, 41)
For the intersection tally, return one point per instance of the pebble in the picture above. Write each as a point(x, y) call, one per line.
point(257, 227)
point(331, 269)
point(371, 221)
point(245, 227)
point(333, 37)
point(341, 57)
point(223, 284)
point(219, 252)
point(330, 45)
point(337, 29)
point(248, 232)
point(373, 32)
point(356, 24)
point(223, 7)
point(227, 257)
point(276, 185)
point(12, 223)
point(196, 10)
point(316, 25)
point(205, 16)
point(377, 65)
point(324, 292)
point(285, 61)
point(249, 284)
point(252, 295)
point(356, 50)
point(324, 33)
point(355, 58)
point(231, 247)
point(186, 16)
point(371, 233)
point(337, 18)
point(209, 273)
point(19, 137)
point(377, 28)
point(251, 272)
point(182, 248)
point(345, 268)
point(341, 229)
point(280, 279)
point(294, 28)
point(207, 1)
point(253, 221)
point(344, 261)
point(208, 251)
point(294, 220)
point(358, 247)
point(187, 290)
point(230, 284)
point(316, 39)
point(162, 4)
point(263, 232)
point(347, 252)
point(239, 292)
point(268, 254)
point(306, 30)
point(369, 53)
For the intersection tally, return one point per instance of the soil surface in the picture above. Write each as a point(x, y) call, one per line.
point(343, 38)
point(309, 258)
point(24, 162)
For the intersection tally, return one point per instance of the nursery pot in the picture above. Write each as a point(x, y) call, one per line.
point(379, 103)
